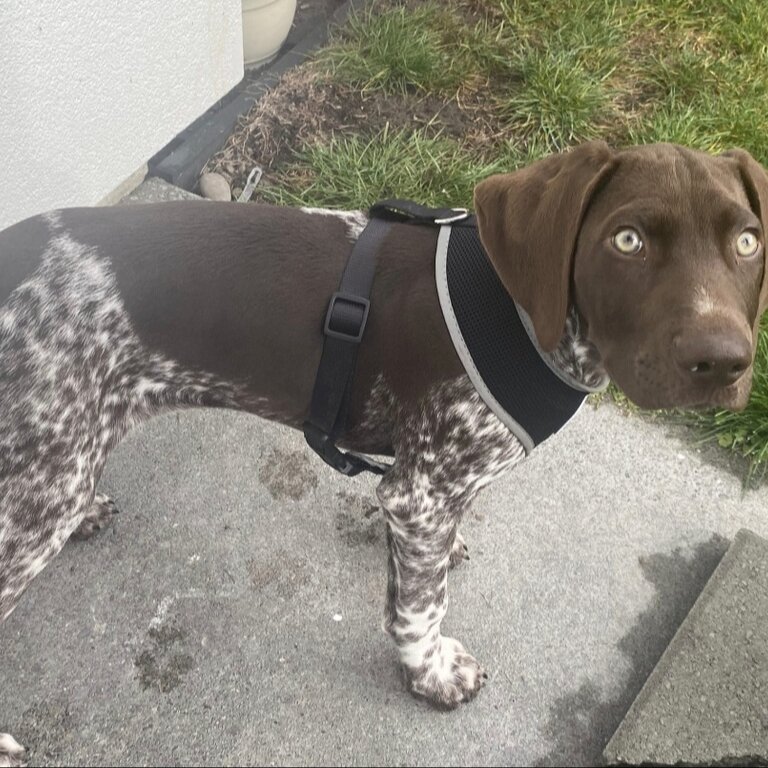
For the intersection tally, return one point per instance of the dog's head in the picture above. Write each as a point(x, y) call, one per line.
point(660, 248)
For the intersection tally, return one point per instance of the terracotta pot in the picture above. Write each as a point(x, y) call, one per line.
point(266, 24)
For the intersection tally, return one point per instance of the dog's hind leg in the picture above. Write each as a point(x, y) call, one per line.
point(35, 523)
point(459, 551)
point(98, 516)
point(38, 513)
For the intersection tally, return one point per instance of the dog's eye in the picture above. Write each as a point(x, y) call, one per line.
point(747, 244)
point(627, 241)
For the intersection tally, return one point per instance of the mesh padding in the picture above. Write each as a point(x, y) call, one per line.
point(509, 364)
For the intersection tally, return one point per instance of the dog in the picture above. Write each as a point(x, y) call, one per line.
point(645, 264)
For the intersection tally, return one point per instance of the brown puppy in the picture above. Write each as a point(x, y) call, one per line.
point(647, 263)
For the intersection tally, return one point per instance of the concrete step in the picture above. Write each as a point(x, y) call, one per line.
point(155, 190)
point(706, 702)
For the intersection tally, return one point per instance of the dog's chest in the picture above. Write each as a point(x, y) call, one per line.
point(449, 436)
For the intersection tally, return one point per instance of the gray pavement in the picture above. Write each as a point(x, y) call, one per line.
point(232, 612)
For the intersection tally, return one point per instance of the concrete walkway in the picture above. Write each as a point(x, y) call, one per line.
point(231, 614)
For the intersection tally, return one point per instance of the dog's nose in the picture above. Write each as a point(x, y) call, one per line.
point(715, 359)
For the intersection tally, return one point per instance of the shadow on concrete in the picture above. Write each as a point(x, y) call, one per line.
point(581, 723)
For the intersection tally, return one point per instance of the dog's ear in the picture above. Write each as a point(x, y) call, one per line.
point(755, 181)
point(529, 222)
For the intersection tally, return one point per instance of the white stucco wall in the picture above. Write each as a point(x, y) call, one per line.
point(91, 89)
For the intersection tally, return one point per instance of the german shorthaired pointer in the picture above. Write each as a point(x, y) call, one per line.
point(645, 264)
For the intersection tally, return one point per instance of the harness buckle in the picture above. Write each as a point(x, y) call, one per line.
point(459, 214)
point(349, 464)
point(340, 323)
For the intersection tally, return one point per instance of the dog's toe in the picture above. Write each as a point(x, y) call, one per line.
point(97, 517)
point(459, 552)
point(11, 752)
point(448, 678)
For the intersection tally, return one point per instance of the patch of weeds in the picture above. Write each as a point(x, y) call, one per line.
point(594, 29)
point(614, 395)
point(557, 99)
point(559, 75)
point(398, 50)
point(740, 26)
point(731, 110)
point(741, 113)
point(679, 123)
point(353, 172)
point(737, 26)
point(682, 73)
point(514, 153)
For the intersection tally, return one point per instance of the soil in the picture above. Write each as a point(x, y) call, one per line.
point(306, 106)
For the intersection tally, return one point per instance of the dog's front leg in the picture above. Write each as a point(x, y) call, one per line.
point(422, 523)
point(447, 447)
point(11, 752)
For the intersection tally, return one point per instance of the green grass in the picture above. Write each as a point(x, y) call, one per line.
point(535, 76)
point(549, 75)
point(394, 51)
point(355, 172)
point(672, 121)
point(558, 100)
point(400, 50)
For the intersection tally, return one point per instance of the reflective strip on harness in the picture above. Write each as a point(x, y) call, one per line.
point(495, 342)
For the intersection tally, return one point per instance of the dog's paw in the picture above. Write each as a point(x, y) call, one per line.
point(11, 752)
point(97, 517)
point(459, 552)
point(448, 677)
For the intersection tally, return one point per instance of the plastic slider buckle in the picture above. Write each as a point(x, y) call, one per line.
point(459, 214)
point(330, 320)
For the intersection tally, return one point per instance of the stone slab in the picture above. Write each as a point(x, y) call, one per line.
point(706, 701)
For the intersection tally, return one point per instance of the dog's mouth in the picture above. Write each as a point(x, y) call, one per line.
point(732, 398)
point(651, 389)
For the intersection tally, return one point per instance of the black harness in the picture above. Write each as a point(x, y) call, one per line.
point(492, 335)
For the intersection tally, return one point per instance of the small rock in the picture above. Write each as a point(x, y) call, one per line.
point(215, 187)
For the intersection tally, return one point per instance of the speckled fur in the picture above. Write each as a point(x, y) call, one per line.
point(11, 752)
point(356, 221)
point(75, 378)
point(447, 447)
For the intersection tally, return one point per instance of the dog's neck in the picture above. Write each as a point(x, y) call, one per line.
point(579, 357)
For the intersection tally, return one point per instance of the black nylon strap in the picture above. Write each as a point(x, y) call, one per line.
point(345, 325)
point(344, 328)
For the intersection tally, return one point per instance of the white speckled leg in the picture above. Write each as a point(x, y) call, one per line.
point(459, 551)
point(445, 452)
